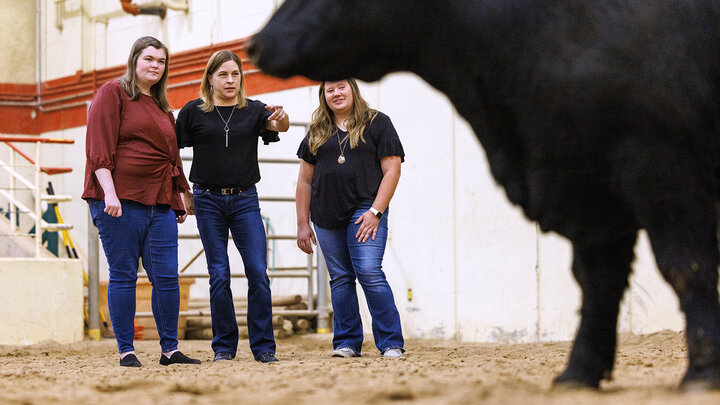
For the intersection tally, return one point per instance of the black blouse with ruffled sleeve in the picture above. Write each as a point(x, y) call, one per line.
point(218, 161)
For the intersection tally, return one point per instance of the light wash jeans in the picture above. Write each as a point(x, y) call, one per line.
point(349, 260)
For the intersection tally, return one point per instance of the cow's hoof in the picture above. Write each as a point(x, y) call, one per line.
point(570, 380)
point(701, 380)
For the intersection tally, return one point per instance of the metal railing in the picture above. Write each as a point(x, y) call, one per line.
point(16, 206)
point(320, 311)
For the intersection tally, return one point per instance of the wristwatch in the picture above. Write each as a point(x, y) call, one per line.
point(377, 213)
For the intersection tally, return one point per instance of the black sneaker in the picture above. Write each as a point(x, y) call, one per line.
point(130, 361)
point(223, 356)
point(267, 358)
point(177, 358)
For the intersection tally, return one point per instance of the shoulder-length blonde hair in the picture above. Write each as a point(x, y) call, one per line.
point(322, 126)
point(206, 91)
point(128, 81)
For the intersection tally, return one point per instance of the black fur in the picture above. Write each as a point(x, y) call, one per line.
point(599, 118)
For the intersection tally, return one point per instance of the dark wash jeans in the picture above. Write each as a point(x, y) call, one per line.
point(148, 232)
point(240, 214)
point(348, 260)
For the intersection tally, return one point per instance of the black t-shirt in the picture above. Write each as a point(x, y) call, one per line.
point(340, 189)
point(213, 163)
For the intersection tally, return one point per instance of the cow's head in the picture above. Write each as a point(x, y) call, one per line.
point(336, 39)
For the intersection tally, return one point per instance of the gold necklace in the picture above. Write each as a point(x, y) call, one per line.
point(341, 158)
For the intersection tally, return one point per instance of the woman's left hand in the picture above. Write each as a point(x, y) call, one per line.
point(368, 226)
point(181, 218)
point(277, 121)
point(278, 114)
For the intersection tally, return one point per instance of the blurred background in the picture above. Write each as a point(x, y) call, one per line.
point(463, 263)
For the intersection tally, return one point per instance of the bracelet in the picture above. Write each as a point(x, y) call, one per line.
point(375, 212)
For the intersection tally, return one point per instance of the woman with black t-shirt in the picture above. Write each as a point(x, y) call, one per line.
point(223, 129)
point(349, 169)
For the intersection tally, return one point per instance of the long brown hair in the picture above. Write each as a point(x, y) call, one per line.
point(322, 126)
point(214, 63)
point(128, 81)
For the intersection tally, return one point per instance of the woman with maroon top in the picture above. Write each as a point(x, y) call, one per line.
point(134, 183)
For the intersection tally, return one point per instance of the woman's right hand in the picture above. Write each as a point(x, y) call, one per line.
point(112, 203)
point(112, 206)
point(306, 238)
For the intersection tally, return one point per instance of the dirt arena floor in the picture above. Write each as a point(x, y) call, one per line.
point(648, 370)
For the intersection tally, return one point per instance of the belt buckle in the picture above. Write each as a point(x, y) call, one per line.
point(227, 190)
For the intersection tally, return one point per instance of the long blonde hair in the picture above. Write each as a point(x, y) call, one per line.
point(214, 63)
point(128, 81)
point(322, 126)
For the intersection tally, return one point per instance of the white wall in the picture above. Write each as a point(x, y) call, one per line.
point(96, 34)
point(17, 29)
point(477, 269)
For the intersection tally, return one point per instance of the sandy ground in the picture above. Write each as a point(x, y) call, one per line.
point(648, 370)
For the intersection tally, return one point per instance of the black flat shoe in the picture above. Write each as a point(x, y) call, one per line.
point(267, 358)
point(177, 358)
point(222, 356)
point(130, 361)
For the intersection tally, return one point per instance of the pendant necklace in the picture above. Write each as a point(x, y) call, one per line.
point(341, 158)
point(227, 127)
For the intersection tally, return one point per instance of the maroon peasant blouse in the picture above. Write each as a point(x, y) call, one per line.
point(136, 141)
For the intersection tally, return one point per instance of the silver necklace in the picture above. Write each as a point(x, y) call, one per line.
point(341, 158)
point(227, 127)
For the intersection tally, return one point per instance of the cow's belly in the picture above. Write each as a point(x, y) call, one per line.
point(576, 202)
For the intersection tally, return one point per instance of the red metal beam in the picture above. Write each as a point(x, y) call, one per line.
point(49, 170)
point(31, 139)
point(64, 100)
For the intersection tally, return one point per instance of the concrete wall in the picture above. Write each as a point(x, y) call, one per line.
point(477, 269)
point(42, 299)
point(17, 30)
point(18, 243)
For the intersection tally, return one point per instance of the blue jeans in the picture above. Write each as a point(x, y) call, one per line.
point(148, 232)
point(240, 214)
point(348, 260)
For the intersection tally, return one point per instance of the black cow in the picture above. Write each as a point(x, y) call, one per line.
point(599, 118)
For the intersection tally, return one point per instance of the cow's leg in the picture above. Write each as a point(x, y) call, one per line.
point(686, 252)
point(602, 270)
point(674, 201)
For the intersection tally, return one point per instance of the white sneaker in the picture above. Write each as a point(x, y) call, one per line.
point(394, 353)
point(345, 352)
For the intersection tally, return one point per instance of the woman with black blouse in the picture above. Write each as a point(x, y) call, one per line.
point(223, 128)
point(349, 169)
